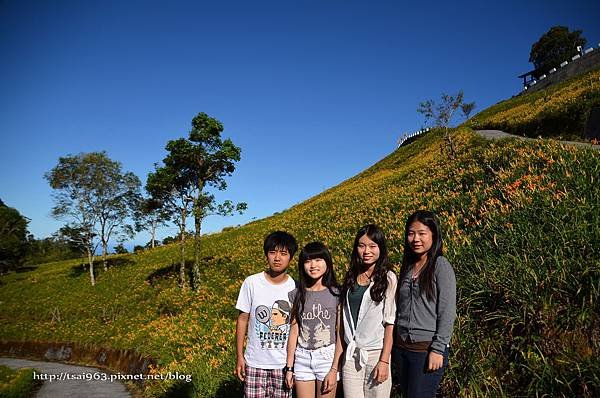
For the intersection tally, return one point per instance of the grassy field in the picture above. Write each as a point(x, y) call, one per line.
point(559, 111)
point(522, 229)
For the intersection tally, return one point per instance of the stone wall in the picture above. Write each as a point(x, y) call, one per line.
point(123, 361)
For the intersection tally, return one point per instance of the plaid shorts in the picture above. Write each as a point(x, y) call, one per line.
point(265, 383)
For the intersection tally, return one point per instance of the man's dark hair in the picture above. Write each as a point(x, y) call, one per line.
point(280, 239)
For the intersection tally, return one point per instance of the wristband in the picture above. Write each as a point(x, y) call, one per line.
point(288, 369)
point(381, 360)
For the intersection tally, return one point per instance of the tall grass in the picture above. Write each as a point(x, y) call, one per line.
point(530, 275)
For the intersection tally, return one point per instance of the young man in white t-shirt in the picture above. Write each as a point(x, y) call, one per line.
point(265, 308)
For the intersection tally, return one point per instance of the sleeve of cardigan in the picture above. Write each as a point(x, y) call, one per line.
point(389, 310)
point(446, 305)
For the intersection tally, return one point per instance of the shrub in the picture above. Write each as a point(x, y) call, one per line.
point(16, 383)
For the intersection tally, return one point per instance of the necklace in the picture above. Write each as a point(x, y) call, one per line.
point(366, 278)
point(416, 271)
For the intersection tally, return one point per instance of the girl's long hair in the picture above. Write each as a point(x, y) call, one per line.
point(309, 252)
point(427, 274)
point(382, 266)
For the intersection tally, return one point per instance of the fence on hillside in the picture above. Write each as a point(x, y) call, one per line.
point(580, 63)
point(407, 136)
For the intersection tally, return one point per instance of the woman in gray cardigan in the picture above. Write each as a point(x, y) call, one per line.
point(426, 309)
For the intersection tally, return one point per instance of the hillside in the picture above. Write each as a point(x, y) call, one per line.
point(560, 110)
point(522, 229)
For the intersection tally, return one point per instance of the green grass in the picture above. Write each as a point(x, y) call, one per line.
point(559, 111)
point(16, 383)
point(522, 230)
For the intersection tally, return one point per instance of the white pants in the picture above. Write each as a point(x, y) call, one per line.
point(359, 383)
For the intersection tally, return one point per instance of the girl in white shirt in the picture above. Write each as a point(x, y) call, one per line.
point(369, 308)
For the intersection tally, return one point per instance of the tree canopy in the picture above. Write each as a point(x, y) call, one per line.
point(96, 197)
point(193, 165)
point(13, 238)
point(554, 47)
point(151, 213)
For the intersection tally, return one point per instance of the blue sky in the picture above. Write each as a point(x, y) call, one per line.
point(312, 91)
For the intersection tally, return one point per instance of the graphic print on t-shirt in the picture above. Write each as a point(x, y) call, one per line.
point(317, 326)
point(273, 324)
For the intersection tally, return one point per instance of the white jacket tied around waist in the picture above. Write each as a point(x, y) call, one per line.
point(372, 318)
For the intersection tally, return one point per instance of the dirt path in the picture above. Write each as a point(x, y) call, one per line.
point(497, 134)
point(71, 388)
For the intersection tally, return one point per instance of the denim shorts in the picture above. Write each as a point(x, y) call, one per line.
point(313, 364)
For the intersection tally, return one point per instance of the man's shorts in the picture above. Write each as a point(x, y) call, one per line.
point(313, 364)
point(265, 383)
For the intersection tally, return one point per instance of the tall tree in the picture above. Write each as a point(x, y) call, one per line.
point(93, 192)
point(168, 186)
point(150, 214)
point(554, 47)
point(81, 238)
point(441, 114)
point(192, 166)
point(13, 238)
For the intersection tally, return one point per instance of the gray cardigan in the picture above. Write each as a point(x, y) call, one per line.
point(419, 319)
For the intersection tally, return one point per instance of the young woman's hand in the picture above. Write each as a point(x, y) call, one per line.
point(435, 361)
point(381, 372)
point(329, 381)
point(289, 379)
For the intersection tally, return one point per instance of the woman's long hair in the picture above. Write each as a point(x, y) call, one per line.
point(382, 266)
point(309, 252)
point(427, 273)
